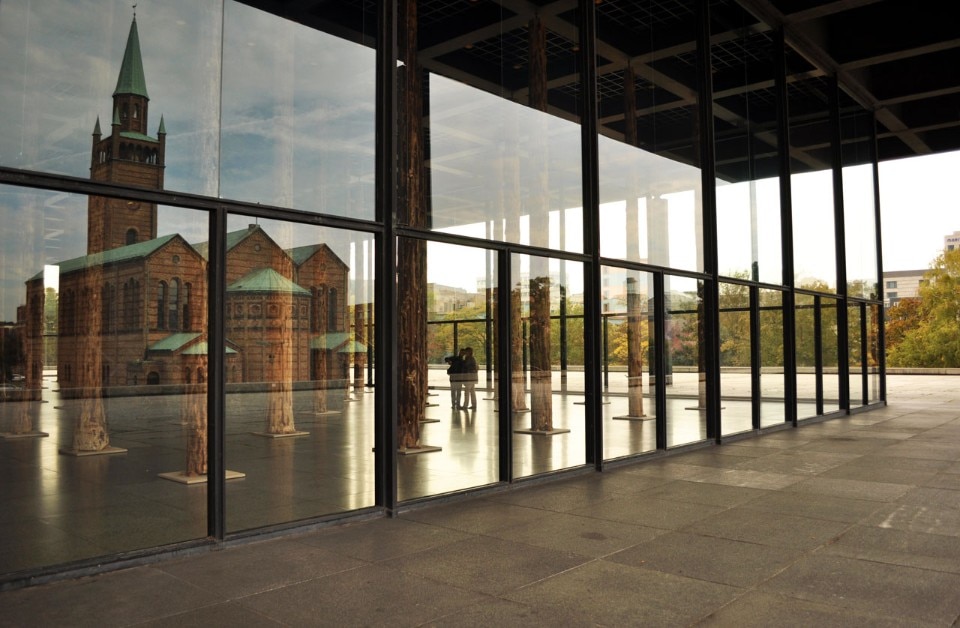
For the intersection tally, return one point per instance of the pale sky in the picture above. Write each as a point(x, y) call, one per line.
point(919, 205)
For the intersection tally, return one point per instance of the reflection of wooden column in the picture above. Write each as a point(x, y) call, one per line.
point(90, 433)
point(541, 384)
point(193, 414)
point(411, 253)
point(635, 335)
point(320, 353)
point(280, 421)
point(630, 137)
point(511, 207)
point(359, 318)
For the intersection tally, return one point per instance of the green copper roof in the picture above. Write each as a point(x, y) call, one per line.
point(266, 280)
point(233, 239)
point(138, 136)
point(176, 342)
point(301, 254)
point(121, 254)
point(342, 341)
point(163, 128)
point(173, 342)
point(131, 79)
point(96, 129)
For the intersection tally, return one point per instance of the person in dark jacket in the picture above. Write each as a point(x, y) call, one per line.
point(470, 378)
point(455, 371)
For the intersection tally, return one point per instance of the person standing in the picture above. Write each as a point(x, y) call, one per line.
point(470, 378)
point(455, 371)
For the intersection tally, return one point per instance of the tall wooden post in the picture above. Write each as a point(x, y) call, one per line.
point(541, 374)
point(634, 320)
point(193, 414)
point(411, 253)
point(90, 432)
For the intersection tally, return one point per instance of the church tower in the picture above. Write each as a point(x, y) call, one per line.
point(129, 156)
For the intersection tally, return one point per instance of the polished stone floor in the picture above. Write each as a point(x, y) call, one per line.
point(60, 508)
point(852, 521)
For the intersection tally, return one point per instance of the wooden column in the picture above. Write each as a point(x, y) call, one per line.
point(541, 400)
point(411, 253)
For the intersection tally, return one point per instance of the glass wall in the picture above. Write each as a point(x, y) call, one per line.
point(629, 362)
point(736, 359)
point(748, 184)
point(56, 97)
point(103, 398)
point(298, 111)
point(650, 201)
point(299, 426)
point(459, 428)
point(772, 372)
point(809, 355)
point(686, 375)
point(497, 155)
point(829, 337)
point(549, 428)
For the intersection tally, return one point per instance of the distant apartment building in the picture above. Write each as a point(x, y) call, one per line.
point(952, 241)
point(901, 284)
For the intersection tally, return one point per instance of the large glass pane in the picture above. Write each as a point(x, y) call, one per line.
point(855, 355)
point(808, 357)
point(498, 155)
point(103, 394)
point(772, 375)
point(873, 350)
point(829, 331)
point(548, 421)
point(859, 200)
point(298, 109)
point(146, 88)
point(686, 372)
point(814, 242)
point(736, 384)
point(298, 330)
point(629, 342)
point(650, 202)
point(458, 427)
point(745, 131)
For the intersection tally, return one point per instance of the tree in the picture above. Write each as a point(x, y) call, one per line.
point(935, 341)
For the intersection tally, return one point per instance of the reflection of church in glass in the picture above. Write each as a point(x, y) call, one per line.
point(142, 299)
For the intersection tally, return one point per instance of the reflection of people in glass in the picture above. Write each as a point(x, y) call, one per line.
point(470, 378)
point(455, 371)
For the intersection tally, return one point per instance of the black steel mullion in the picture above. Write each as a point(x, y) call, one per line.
point(786, 231)
point(839, 234)
point(818, 351)
point(505, 367)
point(881, 314)
point(711, 292)
point(660, 359)
point(755, 357)
point(864, 367)
point(589, 130)
point(216, 373)
point(385, 429)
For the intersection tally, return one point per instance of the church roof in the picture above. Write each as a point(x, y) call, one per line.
point(131, 79)
point(133, 135)
point(301, 254)
point(233, 239)
point(266, 280)
point(181, 341)
point(120, 254)
point(342, 341)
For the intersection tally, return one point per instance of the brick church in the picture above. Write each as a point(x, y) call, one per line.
point(132, 311)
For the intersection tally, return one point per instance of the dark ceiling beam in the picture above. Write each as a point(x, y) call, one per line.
point(827, 9)
point(818, 57)
point(901, 54)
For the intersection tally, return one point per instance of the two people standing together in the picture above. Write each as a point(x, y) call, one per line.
point(462, 370)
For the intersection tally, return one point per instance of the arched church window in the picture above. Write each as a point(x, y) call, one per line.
point(153, 378)
point(131, 236)
point(174, 305)
point(187, 291)
point(162, 305)
point(332, 309)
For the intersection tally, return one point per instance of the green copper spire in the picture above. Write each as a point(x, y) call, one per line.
point(131, 80)
point(96, 128)
point(163, 128)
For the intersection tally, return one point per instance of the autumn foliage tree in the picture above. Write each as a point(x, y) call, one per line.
point(933, 340)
